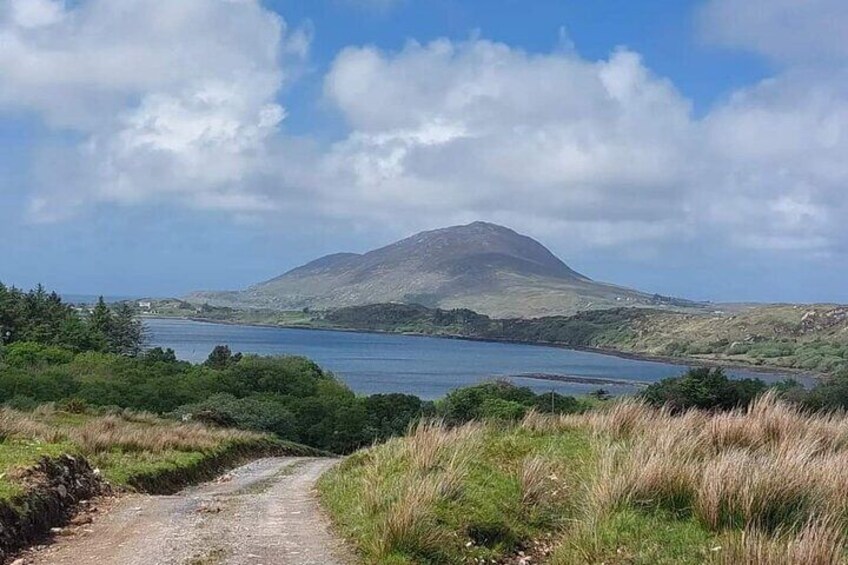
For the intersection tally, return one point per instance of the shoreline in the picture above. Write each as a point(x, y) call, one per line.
point(679, 361)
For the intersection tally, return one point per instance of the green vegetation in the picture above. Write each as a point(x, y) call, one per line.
point(502, 401)
point(291, 397)
point(711, 389)
point(132, 449)
point(449, 495)
point(175, 308)
point(41, 317)
point(703, 388)
point(624, 484)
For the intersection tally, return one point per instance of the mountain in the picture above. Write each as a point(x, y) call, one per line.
point(481, 266)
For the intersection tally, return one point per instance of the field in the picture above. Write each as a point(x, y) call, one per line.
point(625, 484)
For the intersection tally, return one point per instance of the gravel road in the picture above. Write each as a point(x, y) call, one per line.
point(264, 513)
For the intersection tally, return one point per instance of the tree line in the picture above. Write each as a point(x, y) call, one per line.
point(39, 316)
point(95, 359)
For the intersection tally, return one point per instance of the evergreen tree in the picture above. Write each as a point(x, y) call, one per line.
point(127, 333)
point(101, 318)
point(221, 357)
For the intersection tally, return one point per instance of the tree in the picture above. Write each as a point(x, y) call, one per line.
point(708, 389)
point(101, 320)
point(221, 357)
point(127, 333)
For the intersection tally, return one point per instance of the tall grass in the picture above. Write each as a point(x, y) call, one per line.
point(772, 471)
point(449, 494)
point(127, 431)
point(818, 542)
point(768, 484)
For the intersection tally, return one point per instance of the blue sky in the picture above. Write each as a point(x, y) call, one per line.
point(689, 148)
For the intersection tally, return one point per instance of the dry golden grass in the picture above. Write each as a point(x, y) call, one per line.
point(768, 484)
point(432, 444)
point(819, 542)
point(773, 471)
point(542, 480)
point(127, 431)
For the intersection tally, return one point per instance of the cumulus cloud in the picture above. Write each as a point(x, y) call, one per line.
point(601, 152)
point(780, 147)
point(178, 102)
point(481, 127)
point(605, 152)
point(175, 98)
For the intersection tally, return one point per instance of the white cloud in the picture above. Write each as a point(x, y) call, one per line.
point(488, 130)
point(790, 31)
point(34, 13)
point(604, 152)
point(169, 98)
point(178, 102)
point(779, 150)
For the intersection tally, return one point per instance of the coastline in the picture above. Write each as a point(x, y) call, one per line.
point(636, 356)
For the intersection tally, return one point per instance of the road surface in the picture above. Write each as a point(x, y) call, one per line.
point(264, 513)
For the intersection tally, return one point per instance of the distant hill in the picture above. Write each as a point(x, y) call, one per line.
point(482, 266)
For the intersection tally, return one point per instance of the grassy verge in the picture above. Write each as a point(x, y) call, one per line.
point(452, 495)
point(134, 450)
point(628, 484)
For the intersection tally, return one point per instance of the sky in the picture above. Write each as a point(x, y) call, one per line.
point(692, 148)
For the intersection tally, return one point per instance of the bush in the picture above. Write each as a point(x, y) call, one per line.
point(703, 388)
point(28, 354)
point(500, 409)
point(500, 400)
point(392, 414)
point(831, 394)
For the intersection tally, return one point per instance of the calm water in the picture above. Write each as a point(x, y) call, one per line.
point(424, 366)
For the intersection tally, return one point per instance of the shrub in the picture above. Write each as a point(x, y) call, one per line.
point(500, 409)
point(703, 388)
point(500, 400)
point(28, 354)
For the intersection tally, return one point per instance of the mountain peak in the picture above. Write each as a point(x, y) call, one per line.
point(479, 246)
point(481, 265)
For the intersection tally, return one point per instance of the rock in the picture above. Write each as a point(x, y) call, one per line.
point(80, 520)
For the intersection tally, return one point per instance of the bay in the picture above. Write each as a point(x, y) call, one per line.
point(427, 367)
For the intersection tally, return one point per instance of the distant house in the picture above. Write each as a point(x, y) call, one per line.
point(145, 305)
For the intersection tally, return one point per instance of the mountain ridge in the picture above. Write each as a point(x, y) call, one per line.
point(482, 266)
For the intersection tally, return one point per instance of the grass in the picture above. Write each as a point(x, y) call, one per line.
point(449, 495)
point(131, 449)
point(19, 454)
point(625, 484)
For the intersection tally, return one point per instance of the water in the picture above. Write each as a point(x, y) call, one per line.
point(424, 366)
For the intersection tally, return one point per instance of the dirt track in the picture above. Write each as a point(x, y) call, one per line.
point(264, 513)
